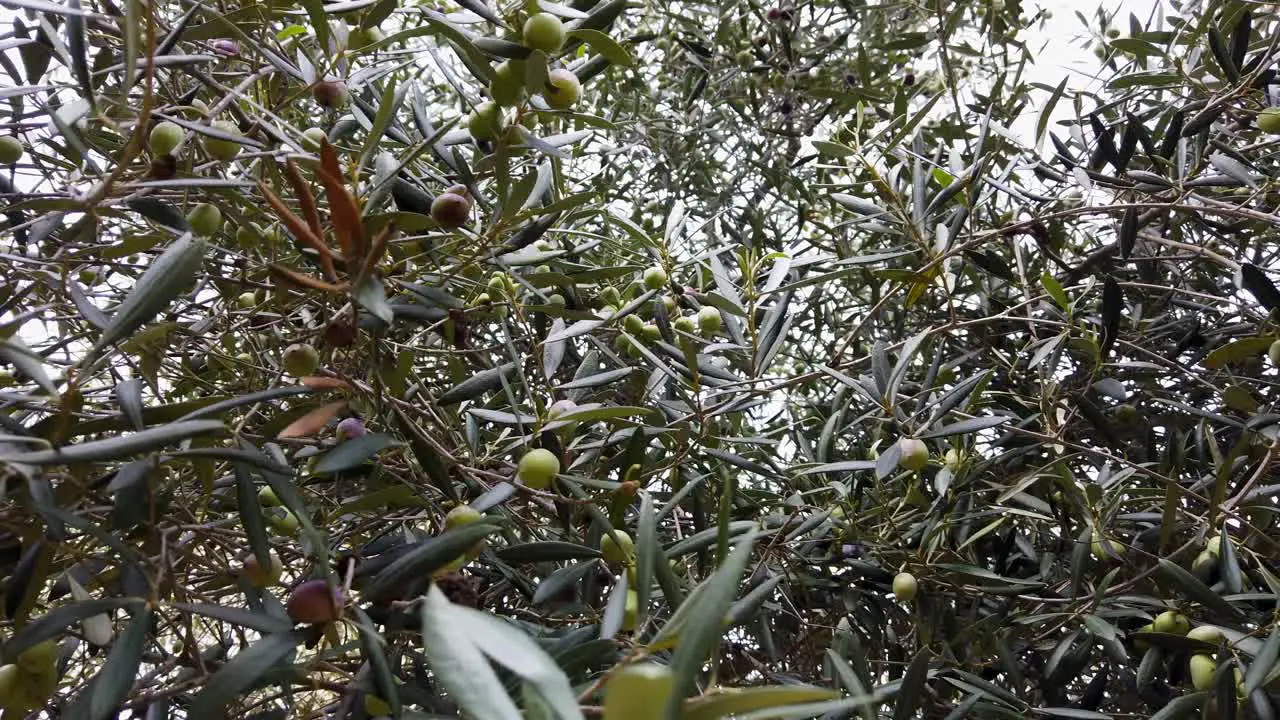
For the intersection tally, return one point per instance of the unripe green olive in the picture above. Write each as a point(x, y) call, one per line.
point(543, 31)
point(267, 497)
point(164, 137)
point(1202, 565)
point(1203, 668)
point(246, 300)
point(204, 219)
point(375, 706)
point(313, 138)
point(1269, 120)
point(563, 89)
point(1211, 634)
point(639, 691)
point(460, 516)
point(1273, 352)
point(633, 324)
point(247, 235)
point(914, 454)
point(300, 360)
point(11, 150)
point(39, 658)
point(655, 278)
point(1102, 544)
point(286, 522)
point(1172, 622)
point(507, 86)
point(684, 324)
point(219, 149)
point(538, 468)
point(560, 408)
point(485, 121)
point(1143, 645)
point(619, 551)
point(709, 320)
point(9, 683)
point(361, 38)
point(905, 587)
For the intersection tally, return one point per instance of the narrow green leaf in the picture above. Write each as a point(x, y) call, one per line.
point(740, 700)
point(239, 617)
point(117, 447)
point(15, 352)
point(911, 691)
point(53, 623)
point(1264, 662)
point(111, 685)
point(1198, 591)
point(353, 453)
point(604, 45)
point(255, 527)
point(459, 666)
point(429, 555)
point(166, 277)
point(375, 653)
point(700, 634)
point(1055, 289)
point(477, 385)
point(244, 670)
point(551, 551)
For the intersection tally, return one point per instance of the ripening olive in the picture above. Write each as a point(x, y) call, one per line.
point(450, 209)
point(331, 93)
point(314, 602)
point(259, 576)
point(914, 454)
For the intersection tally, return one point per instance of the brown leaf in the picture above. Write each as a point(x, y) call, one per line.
point(343, 210)
point(300, 230)
point(293, 277)
point(320, 382)
point(377, 248)
point(306, 200)
point(313, 422)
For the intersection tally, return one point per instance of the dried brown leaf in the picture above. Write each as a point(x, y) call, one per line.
point(313, 422)
point(293, 277)
point(320, 382)
point(300, 230)
point(343, 211)
point(306, 200)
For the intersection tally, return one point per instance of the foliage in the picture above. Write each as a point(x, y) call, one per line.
point(800, 298)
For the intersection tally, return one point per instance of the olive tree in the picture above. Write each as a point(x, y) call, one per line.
point(637, 360)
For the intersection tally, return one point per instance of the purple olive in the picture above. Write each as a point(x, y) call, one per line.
point(229, 48)
point(315, 602)
point(351, 428)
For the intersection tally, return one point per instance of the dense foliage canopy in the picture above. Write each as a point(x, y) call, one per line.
point(519, 359)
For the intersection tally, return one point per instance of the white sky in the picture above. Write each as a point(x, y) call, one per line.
point(1060, 46)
